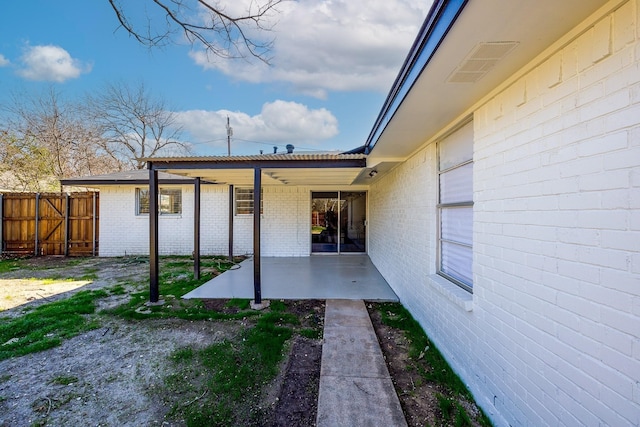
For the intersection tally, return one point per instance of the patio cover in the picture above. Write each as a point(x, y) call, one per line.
point(275, 169)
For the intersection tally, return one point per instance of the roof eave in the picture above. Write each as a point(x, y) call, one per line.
point(102, 183)
point(439, 20)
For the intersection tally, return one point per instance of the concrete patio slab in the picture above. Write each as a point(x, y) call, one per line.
point(355, 386)
point(313, 277)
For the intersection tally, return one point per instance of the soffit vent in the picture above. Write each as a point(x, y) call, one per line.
point(480, 61)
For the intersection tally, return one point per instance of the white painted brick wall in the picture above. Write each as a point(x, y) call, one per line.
point(286, 223)
point(554, 334)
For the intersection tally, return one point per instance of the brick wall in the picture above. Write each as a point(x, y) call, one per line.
point(285, 223)
point(551, 335)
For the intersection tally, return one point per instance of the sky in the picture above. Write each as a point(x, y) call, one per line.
point(332, 65)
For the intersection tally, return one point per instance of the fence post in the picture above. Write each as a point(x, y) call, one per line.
point(35, 251)
point(1, 224)
point(95, 215)
point(67, 207)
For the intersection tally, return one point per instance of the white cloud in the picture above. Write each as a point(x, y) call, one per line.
point(333, 45)
point(3, 61)
point(50, 63)
point(279, 122)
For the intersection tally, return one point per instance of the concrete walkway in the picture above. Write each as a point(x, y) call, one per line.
point(355, 385)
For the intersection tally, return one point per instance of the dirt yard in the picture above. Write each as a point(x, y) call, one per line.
point(115, 375)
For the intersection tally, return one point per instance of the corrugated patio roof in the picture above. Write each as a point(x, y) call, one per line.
point(325, 168)
point(262, 157)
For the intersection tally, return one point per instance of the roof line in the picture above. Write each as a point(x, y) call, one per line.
point(251, 163)
point(100, 183)
point(439, 20)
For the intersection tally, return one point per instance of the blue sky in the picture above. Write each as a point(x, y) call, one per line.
point(333, 63)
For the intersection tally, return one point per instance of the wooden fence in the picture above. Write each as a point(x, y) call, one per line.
point(50, 223)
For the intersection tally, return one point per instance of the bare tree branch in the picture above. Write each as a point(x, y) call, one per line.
point(46, 139)
point(205, 22)
point(135, 125)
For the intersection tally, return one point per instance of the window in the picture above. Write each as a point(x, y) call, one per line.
point(244, 201)
point(170, 201)
point(455, 207)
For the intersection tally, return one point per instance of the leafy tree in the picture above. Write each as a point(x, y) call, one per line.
point(223, 33)
point(134, 125)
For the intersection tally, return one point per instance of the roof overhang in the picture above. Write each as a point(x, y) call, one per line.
point(285, 169)
point(135, 177)
point(430, 92)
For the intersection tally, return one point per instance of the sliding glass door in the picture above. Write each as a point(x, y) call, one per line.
point(338, 221)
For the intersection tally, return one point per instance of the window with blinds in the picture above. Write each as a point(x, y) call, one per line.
point(244, 201)
point(455, 207)
point(169, 201)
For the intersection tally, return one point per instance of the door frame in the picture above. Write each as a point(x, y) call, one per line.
point(366, 230)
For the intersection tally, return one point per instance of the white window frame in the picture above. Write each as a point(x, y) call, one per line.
point(443, 207)
point(246, 191)
point(163, 208)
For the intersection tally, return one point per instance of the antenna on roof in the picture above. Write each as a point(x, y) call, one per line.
point(229, 135)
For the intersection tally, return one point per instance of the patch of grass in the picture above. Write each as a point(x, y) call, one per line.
point(278, 305)
point(46, 326)
point(4, 378)
point(446, 406)
point(9, 265)
point(219, 381)
point(90, 274)
point(64, 380)
point(240, 304)
point(311, 333)
point(118, 289)
point(452, 412)
point(462, 419)
point(52, 280)
point(428, 362)
point(176, 279)
point(396, 316)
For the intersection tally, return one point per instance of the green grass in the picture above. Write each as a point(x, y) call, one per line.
point(64, 380)
point(428, 362)
point(46, 326)
point(7, 265)
point(218, 383)
point(176, 279)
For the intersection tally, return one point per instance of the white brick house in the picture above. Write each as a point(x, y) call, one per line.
point(550, 334)
point(286, 219)
point(502, 186)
